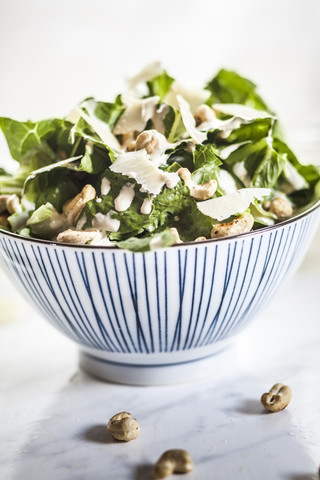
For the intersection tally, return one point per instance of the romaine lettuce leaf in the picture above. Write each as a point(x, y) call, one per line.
point(160, 85)
point(145, 244)
point(230, 87)
point(55, 184)
point(23, 136)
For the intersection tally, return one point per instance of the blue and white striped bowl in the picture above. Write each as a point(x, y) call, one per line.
point(155, 317)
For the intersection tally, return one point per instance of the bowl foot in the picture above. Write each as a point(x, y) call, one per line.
point(217, 364)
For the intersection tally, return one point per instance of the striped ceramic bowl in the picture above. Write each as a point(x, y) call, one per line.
point(160, 316)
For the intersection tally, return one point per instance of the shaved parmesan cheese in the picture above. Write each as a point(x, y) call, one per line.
point(194, 96)
point(294, 179)
point(241, 172)
point(100, 127)
point(147, 73)
point(136, 115)
point(138, 166)
point(189, 121)
point(226, 181)
point(223, 207)
point(241, 111)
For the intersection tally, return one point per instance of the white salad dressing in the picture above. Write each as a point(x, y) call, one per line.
point(138, 166)
point(146, 206)
point(123, 201)
point(106, 222)
point(105, 186)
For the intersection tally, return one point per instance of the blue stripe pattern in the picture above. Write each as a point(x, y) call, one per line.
point(169, 300)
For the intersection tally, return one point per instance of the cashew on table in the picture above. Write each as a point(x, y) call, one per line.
point(277, 398)
point(172, 461)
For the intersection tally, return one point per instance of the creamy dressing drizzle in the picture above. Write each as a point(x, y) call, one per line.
point(105, 186)
point(146, 206)
point(123, 201)
point(106, 222)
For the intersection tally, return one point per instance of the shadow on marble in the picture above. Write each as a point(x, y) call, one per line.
point(143, 472)
point(307, 476)
point(97, 434)
point(251, 406)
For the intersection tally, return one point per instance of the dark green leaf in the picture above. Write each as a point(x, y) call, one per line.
point(109, 112)
point(229, 87)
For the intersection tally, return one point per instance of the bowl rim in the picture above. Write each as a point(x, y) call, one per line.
point(314, 206)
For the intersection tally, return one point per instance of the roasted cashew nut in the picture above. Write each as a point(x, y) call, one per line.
point(151, 140)
point(123, 427)
point(9, 203)
point(203, 114)
point(172, 461)
point(4, 220)
point(199, 192)
point(241, 224)
point(78, 237)
point(277, 398)
point(279, 206)
point(72, 208)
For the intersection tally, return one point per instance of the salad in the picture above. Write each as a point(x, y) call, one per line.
point(161, 164)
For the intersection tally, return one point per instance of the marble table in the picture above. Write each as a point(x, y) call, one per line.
point(53, 416)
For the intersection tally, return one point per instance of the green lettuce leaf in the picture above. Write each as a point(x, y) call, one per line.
point(206, 162)
point(230, 87)
point(173, 124)
point(109, 112)
point(160, 85)
point(46, 222)
point(261, 162)
point(23, 136)
point(145, 244)
point(55, 184)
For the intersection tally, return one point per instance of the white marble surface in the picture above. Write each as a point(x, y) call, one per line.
point(53, 417)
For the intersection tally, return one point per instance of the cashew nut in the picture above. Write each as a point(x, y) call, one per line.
point(10, 203)
point(131, 146)
point(4, 220)
point(203, 113)
point(124, 427)
point(279, 206)
point(200, 239)
point(78, 237)
point(172, 461)
point(13, 203)
point(72, 208)
point(241, 224)
point(151, 140)
point(199, 192)
point(174, 232)
point(277, 398)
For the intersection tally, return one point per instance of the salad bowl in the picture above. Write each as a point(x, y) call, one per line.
point(151, 229)
point(160, 316)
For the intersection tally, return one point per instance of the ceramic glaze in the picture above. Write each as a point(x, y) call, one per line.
point(132, 312)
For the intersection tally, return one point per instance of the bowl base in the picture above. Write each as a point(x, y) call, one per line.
point(216, 364)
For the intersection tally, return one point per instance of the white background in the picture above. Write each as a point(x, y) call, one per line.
point(53, 53)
